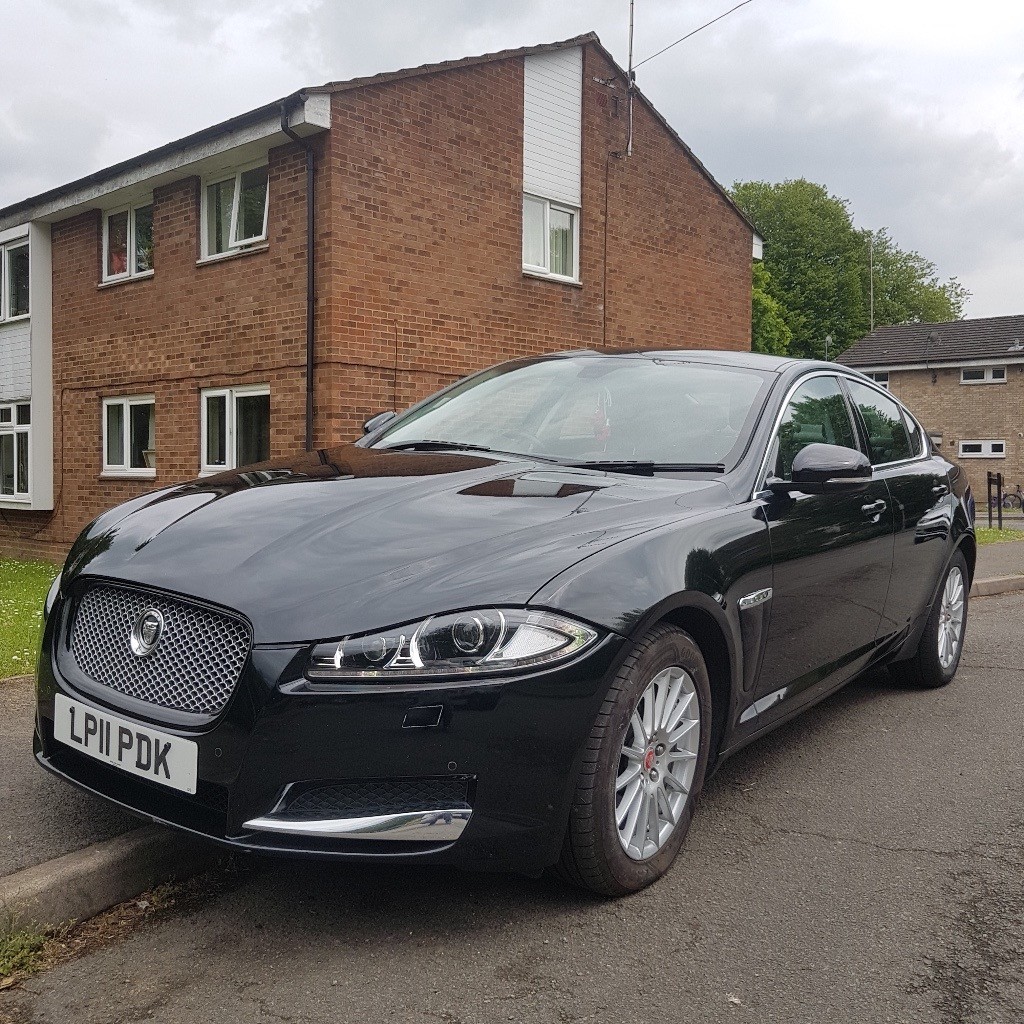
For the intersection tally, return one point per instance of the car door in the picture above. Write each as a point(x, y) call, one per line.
point(831, 556)
point(922, 504)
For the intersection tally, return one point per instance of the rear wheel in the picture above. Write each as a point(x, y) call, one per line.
point(938, 654)
point(643, 769)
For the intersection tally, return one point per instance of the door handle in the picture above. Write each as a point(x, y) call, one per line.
point(874, 509)
point(940, 489)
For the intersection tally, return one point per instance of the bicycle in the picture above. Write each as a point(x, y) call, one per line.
point(1011, 499)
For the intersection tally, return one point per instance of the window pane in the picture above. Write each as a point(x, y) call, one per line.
point(24, 414)
point(115, 434)
point(5, 414)
point(6, 463)
point(816, 414)
point(561, 243)
point(253, 204)
point(252, 429)
point(887, 436)
point(117, 244)
point(914, 432)
point(218, 215)
point(973, 375)
point(22, 478)
point(17, 269)
point(999, 373)
point(216, 430)
point(533, 233)
point(143, 239)
point(143, 436)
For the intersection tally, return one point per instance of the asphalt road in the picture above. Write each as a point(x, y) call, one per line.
point(40, 816)
point(863, 864)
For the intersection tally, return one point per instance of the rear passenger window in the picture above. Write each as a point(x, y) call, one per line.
point(915, 434)
point(816, 414)
point(887, 432)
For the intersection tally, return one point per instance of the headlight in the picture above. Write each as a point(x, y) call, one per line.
point(481, 642)
point(51, 597)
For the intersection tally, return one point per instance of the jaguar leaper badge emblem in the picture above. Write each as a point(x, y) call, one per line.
point(146, 632)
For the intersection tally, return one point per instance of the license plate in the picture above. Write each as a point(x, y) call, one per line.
point(169, 760)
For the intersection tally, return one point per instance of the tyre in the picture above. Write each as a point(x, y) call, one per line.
point(942, 642)
point(643, 768)
point(1011, 501)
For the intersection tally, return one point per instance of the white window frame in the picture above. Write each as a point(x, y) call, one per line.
point(880, 377)
point(545, 270)
point(988, 374)
point(131, 272)
point(230, 448)
point(987, 449)
point(14, 428)
point(5, 280)
point(125, 468)
point(234, 245)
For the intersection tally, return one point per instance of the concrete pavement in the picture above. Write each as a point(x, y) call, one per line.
point(864, 864)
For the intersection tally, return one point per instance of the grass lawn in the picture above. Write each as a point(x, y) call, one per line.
point(23, 587)
point(994, 536)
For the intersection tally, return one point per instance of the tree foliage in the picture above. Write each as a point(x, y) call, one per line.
point(769, 331)
point(818, 274)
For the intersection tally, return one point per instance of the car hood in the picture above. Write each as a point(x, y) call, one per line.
point(352, 539)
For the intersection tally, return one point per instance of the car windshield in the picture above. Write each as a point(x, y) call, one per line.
point(602, 409)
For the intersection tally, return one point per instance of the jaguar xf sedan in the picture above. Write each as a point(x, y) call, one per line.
point(516, 626)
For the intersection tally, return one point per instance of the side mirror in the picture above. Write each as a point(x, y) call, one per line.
point(378, 421)
point(825, 469)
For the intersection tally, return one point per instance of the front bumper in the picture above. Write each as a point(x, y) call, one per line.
point(514, 746)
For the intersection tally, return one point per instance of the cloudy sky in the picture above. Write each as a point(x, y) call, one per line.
point(913, 110)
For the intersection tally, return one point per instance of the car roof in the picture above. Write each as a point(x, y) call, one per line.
point(744, 359)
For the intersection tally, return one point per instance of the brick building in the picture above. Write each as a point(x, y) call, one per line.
point(965, 382)
point(154, 322)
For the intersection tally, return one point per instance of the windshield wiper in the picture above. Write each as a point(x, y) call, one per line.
point(642, 468)
point(428, 445)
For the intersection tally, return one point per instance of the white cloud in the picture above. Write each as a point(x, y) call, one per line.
point(913, 110)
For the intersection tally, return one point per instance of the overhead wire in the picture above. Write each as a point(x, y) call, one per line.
point(693, 33)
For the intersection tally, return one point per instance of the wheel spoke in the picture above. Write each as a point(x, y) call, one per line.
point(633, 754)
point(629, 807)
point(631, 772)
point(666, 804)
point(678, 734)
point(682, 706)
point(647, 714)
point(638, 832)
point(639, 733)
point(677, 784)
point(680, 755)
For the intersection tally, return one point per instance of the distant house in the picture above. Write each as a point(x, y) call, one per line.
point(166, 317)
point(964, 380)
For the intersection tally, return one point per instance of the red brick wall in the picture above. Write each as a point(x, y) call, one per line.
point(419, 193)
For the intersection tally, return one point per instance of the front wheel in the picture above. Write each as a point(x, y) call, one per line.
point(942, 643)
point(1011, 501)
point(643, 768)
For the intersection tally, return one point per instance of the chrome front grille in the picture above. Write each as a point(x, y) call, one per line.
point(194, 667)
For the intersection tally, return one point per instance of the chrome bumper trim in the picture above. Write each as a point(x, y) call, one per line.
point(441, 826)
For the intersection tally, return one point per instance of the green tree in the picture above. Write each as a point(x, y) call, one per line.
point(818, 276)
point(769, 331)
point(907, 286)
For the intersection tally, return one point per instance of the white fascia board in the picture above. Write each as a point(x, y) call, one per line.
point(40, 300)
point(1012, 358)
point(234, 146)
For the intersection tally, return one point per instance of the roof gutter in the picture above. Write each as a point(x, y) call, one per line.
point(310, 263)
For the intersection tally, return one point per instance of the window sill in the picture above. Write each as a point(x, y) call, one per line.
point(128, 474)
point(232, 254)
point(11, 501)
point(16, 319)
point(539, 275)
point(129, 279)
point(975, 383)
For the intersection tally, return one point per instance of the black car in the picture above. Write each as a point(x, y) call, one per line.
point(514, 627)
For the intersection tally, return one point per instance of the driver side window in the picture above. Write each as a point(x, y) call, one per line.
point(817, 413)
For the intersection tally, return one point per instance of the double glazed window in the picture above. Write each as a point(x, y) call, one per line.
point(14, 277)
point(880, 377)
point(128, 242)
point(235, 210)
point(129, 436)
point(983, 449)
point(550, 238)
point(983, 375)
point(15, 428)
point(235, 428)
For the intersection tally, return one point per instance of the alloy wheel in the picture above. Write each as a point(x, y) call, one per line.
point(951, 618)
point(657, 762)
